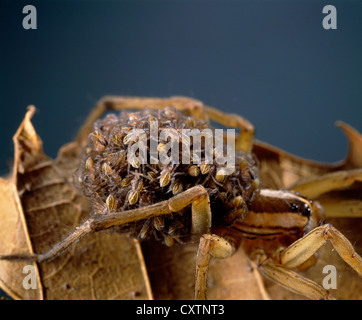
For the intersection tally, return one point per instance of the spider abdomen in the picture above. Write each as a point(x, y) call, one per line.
point(115, 181)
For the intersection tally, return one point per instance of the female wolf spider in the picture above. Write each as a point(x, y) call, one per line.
point(183, 202)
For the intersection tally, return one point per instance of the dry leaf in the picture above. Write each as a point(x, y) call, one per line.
point(39, 204)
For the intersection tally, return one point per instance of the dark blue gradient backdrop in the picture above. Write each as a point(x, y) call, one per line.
point(270, 61)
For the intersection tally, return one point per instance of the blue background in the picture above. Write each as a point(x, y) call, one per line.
point(270, 61)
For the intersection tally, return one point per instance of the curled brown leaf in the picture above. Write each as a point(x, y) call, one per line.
point(39, 204)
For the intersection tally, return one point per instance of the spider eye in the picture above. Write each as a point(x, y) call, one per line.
point(306, 210)
point(294, 207)
point(303, 209)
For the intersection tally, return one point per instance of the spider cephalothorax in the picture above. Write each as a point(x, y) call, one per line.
point(113, 181)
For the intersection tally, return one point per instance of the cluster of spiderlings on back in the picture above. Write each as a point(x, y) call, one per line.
point(114, 184)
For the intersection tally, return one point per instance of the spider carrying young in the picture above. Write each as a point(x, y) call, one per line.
point(196, 201)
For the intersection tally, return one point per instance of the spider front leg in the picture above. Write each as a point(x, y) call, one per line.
point(245, 140)
point(302, 249)
point(299, 252)
point(316, 186)
point(194, 107)
point(337, 192)
point(210, 245)
point(108, 103)
point(289, 279)
point(196, 196)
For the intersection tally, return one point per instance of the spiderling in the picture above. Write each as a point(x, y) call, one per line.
point(113, 184)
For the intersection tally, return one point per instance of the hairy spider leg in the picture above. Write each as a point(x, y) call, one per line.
point(194, 107)
point(316, 186)
point(211, 245)
point(289, 279)
point(245, 140)
point(302, 249)
point(196, 196)
point(108, 103)
point(299, 252)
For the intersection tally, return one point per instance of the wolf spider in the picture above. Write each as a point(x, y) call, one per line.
point(277, 228)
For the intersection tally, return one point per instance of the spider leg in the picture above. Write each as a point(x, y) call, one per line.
point(346, 203)
point(196, 196)
point(259, 280)
point(194, 107)
point(302, 249)
point(107, 103)
point(291, 280)
point(210, 245)
point(316, 186)
point(246, 139)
